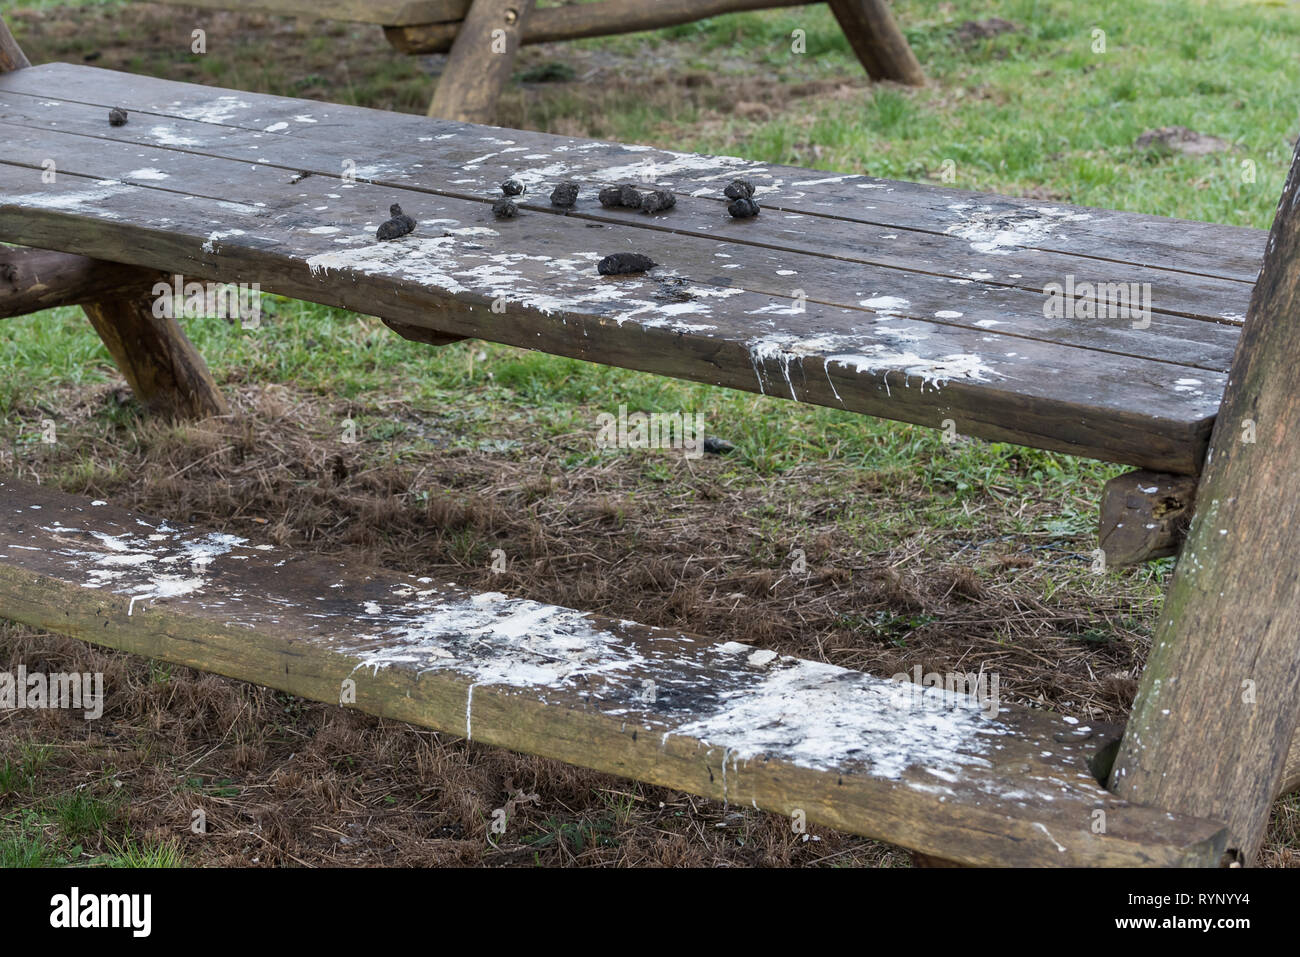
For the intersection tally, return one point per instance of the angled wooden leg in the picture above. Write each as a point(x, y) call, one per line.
point(481, 61)
point(1217, 709)
point(162, 367)
point(876, 39)
point(11, 54)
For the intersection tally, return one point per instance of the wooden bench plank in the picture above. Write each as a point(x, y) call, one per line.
point(999, 387)
point(867, 755)
point(763, 269)
point(457, 166)
point(988, 224)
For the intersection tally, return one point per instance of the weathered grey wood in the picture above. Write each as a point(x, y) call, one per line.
point(1093, 403)
point(159, 362)
point(1041, 394)
point(996, 228)
point(407, 161)
point(1144, 515)
point(607, 18)
point(867, 755)
point(835, 279)
point(880, 45)
point(36, 279)
point(481, 61)
point(1217, 708)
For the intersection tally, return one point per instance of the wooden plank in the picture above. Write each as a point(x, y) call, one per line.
point(994, 228)
point(832, 280)
point(1217, 709)
point(481, 61)
point(542, 268)
point(36, 279)
point(558, 24)
point(380, 12)
point(862, 754)
point(460, 166)
point(878, 42)
point(1144, 515)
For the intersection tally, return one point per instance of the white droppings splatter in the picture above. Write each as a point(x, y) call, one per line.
point(167, 136)
point(830, 716)
point(210, 246)
point(214, 111)
point(1001, 231)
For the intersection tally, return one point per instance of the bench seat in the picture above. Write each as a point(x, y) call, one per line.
point(909, 302)
point(957, 778)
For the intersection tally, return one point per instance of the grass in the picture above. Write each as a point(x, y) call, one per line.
point(42, 826)
point(1030, 112)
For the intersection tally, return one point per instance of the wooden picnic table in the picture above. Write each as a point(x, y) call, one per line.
point(899, 300)
point(483, 36)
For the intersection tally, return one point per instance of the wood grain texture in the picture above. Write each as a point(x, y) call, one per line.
point(1217, 708)
point(196, 143)
point(879, 43)
point(481, 61)
point(993, 228)
point(1144, 515)
point(978, 786)
point(608, 18)
point(36, 279)
point(840, 276)
point(956, 284)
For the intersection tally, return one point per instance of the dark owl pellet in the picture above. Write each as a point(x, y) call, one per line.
point(658, 201)
point(512, 187)
point(398, 225)
point(739, 189)
point(630, 196)
point(627, 196)
point(743, 208)
point(565, 195)
point(622, 264)
point(117, 116)
point(505, 209)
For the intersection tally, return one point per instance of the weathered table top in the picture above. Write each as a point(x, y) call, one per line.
point(910, 302)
